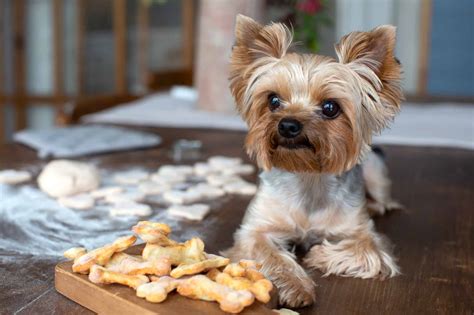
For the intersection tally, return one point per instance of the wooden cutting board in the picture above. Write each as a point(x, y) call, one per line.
point(117, 299)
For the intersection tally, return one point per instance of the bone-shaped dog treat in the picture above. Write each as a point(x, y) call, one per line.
point(212, 261)
point(157, 290)
point(75, 252)
point(154, 232)
point(202, 288)
point(101, 275)
point(102, 255)
point(189, 252)
point(236, 287)
point(260, 288)
point(247, 263)
point(245, 269)
point(135, 265)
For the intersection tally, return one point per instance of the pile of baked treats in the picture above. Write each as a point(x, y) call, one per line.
point(166, 265)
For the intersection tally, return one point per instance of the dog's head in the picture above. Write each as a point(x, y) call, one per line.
point(310, 113)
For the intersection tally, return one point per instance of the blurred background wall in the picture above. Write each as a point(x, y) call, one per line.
point(58, 55)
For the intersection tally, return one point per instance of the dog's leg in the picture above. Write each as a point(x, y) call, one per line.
point(377, 184)
point(363, 254)
point(295, 287)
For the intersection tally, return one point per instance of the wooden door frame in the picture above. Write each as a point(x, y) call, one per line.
point(19, 64)
point(2, 73)
point(424, 46)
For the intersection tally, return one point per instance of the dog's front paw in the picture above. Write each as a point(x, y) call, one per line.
point(294, 292)
point(352, 258)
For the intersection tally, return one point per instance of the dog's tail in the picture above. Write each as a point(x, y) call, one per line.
point(377, 183)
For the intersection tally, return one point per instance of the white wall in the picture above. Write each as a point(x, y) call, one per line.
point(363, 15)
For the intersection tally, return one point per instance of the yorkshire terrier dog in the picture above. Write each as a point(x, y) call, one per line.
point(311, 120)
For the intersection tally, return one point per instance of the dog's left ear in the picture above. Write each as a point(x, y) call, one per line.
point(373, 49)
point(371, 55)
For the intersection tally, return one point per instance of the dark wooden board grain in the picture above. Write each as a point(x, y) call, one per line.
point(433, 237)
point(117, 299)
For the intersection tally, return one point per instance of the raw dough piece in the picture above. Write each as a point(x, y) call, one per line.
point(131, 177)
point(207, 191)
point(13, 177)
point(130, 196)
point(79, 202)
point(153, 188)
point(106, 191)
point(182, 186)
point(243, 169)
point(222, 162)
point(182, 197)
point(61, 178)
point(130, 208)
point(240, 187)
point(171, 170)
point(220, 180)
point(203, 169)
point(195, 212)
point(168, 179)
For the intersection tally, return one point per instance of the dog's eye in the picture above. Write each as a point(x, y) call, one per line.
point(273, 101)
point(330, 109)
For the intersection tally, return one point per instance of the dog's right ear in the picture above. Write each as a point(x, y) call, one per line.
point(246, 30)
point(254, 43)
point(272, 40)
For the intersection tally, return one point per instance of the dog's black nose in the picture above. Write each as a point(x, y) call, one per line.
point(289, 127)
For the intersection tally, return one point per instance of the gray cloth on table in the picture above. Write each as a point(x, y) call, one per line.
point(75, 141)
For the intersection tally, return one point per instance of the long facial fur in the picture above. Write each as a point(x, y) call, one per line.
point(364, 81)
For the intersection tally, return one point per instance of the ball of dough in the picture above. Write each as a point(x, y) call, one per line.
point(63, 178)
point(13, 177)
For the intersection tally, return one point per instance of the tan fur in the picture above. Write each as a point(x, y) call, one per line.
point(365, 81)
point(302, 193)
point(378, 186)
point(363, 255)
point(295, 287)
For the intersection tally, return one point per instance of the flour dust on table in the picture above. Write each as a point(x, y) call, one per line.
point(35, 223)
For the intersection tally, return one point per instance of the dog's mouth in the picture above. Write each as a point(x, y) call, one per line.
point(294, 144)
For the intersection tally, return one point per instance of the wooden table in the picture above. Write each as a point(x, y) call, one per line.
point(433, 236)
